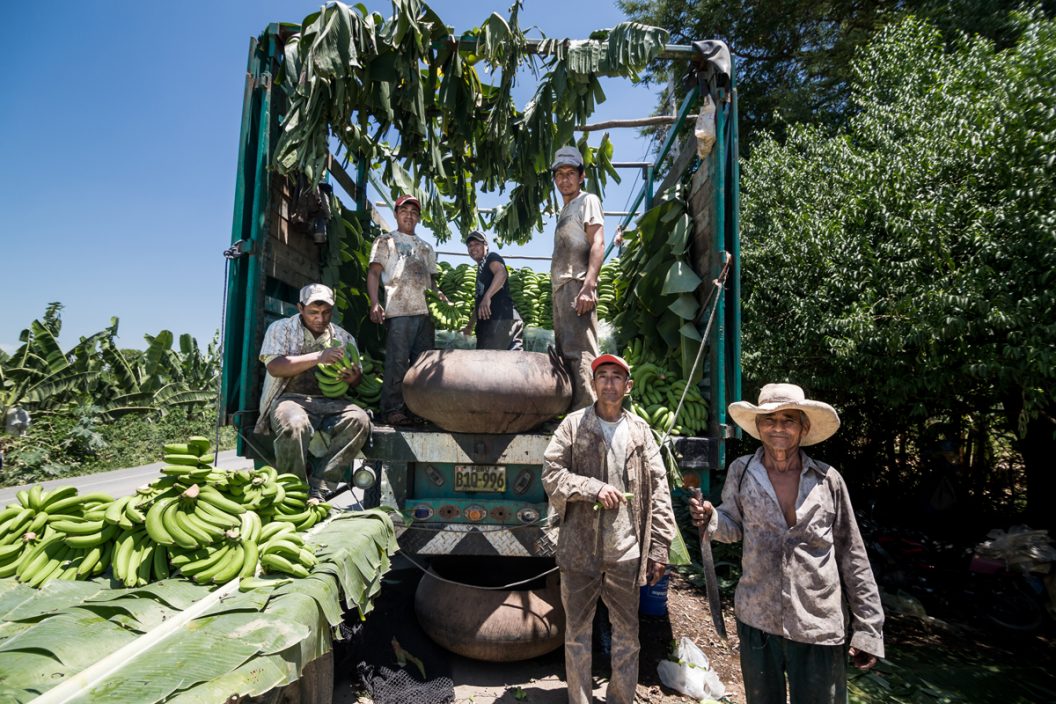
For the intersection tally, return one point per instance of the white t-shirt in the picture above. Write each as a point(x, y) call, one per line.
point(408, 265)
point(619, 540)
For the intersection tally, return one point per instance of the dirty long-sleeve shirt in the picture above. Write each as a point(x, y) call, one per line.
point(795, 579)
point(574, 472)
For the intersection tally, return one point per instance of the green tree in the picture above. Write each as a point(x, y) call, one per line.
point(793, 57)
point(904, 266)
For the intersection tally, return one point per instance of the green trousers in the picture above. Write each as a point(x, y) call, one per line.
point(816, 674)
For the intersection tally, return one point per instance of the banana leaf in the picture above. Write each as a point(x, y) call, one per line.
point(678, 554)
point(685, 307)
point(247, 644)
point(680, 278)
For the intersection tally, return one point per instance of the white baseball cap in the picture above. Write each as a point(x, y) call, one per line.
point(316, 292)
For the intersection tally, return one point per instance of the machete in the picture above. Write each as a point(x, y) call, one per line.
point(712, 582)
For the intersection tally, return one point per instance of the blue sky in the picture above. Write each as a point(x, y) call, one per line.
point(119, 127)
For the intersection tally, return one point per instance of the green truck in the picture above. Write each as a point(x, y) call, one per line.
point(501, 529)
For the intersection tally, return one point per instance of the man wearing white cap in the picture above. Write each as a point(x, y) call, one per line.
point(803, 556)
point(292, 406)
point(579, 247)
point(607, 483)
point(406, 265)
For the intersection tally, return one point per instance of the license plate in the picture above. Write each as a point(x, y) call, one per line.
point(480, 477)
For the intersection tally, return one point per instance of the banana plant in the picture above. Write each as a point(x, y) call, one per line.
point(405, 94)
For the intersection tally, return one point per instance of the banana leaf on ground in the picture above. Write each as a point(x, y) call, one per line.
point(248, 642)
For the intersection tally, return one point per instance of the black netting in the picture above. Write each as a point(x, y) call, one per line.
point(400, 687)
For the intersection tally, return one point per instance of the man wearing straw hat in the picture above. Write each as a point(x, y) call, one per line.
point(803, 556)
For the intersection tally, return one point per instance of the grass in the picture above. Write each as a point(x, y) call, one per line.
point(79, 444)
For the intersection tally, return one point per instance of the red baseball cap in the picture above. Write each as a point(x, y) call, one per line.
point(404, 199)
point(610, 359)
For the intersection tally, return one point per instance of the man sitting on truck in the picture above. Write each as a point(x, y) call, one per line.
point(606, 481)
point(406, 265)
point(499, 326)
point(293, 407)
point(579, 247)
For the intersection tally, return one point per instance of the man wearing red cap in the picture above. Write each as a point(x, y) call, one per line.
point(406, 265)
point(607, 484)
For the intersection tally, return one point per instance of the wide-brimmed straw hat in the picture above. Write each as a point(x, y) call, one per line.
point(779, 397)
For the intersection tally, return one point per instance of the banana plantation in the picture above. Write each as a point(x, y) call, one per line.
point(96, 405)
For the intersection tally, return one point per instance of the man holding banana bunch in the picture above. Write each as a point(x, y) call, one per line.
point(607, 483)
point(306, 422)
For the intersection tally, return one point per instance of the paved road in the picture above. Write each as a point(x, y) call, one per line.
point(120, 482)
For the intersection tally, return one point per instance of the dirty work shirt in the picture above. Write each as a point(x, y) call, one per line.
point(575, 336)
point(408, 265)
point(289, 337)
point(575, 468)
point(571, 247)
point(794, 580)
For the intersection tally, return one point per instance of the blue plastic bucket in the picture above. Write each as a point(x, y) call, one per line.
point(653, 601)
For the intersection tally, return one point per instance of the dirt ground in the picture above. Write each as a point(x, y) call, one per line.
point(538, 681)
point(930, 659)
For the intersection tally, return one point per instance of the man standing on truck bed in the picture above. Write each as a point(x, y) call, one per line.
point(406, 265)
point(607, 483)
point(499, 326)
point(292, 405)
point(579, 247)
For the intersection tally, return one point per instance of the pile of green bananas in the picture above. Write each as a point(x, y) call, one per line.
point(531, 294)
point(207, 524)
point(655, 396)
point(459, 284)
point(329, 375)
point(524, 290)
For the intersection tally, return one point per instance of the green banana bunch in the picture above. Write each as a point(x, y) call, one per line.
point(446, 316)
point(257, 489)
point(656, 394)
point(329, 375)
point(607, 300)
point(282, 550)
point(524, 294)
point(196, 452)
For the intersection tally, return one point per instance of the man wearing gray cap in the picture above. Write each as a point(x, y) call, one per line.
point(579, 247)
point(498, 325)
point(306, 423)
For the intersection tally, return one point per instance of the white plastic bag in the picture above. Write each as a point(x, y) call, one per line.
point(704, 129)
point(691, 675)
